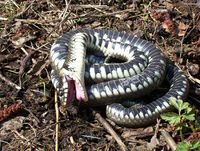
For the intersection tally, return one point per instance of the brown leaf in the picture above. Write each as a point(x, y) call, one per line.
point(182, 29)
point(153, 143)
point(164, 17)
point(193, 69)
point(139, 133)
point(194, 136)
point(12, 124)
point(21, 40)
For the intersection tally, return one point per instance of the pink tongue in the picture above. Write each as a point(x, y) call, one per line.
point(71, 91)
point(74, 90)
point(79, 93)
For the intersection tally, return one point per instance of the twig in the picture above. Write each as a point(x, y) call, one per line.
point(64, 13)
point(157, 127)
point(31, 113)
point(90, 6)
point(42, 67)
point(40, 48)
point(142, 134)
point(10, 110)
point(28, 20)
point(9, 82)
point(154, 141)
point(14, 3)
point(57, 120)
point(5, 142)
point(114, 13)
point(23, 63)
point(63, 17)
point(110, 130)
point(186, 35)
point(22, 136)
point(169, 140)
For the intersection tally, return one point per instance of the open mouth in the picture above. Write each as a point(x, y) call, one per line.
point(74, 90)
point(71, 90)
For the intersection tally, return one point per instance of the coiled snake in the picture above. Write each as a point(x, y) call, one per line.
point(84, 68)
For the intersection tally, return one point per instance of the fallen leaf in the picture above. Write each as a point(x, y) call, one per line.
point(21, 40)
point(153, 143)
point(12, 124)
point(182, 29)
point(193, 69)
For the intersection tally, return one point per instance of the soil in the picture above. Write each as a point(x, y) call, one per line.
point(27, 30)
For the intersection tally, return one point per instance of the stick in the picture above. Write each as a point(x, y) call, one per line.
point(9, 82)
point(90, 6)
point(57, 120)
point(169, 140)
point(110, 130)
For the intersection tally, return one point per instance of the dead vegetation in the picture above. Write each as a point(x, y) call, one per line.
point(27, 30)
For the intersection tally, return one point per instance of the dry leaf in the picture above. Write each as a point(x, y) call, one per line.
point(12, 124)
point(21, 40)
point(153, 143)
point(182, 29)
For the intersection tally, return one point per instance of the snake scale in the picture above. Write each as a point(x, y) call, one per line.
point(104, 67)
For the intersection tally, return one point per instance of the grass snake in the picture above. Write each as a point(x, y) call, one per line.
point(103, 67)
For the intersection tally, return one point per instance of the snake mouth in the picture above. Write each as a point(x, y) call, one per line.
point(75, 91)
point(71, 90)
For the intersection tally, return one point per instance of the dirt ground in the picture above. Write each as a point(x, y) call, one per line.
point(27, 31)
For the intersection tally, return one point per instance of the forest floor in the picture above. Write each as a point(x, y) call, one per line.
point(27, 30)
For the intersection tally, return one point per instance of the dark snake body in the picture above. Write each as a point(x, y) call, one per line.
point(143, 69)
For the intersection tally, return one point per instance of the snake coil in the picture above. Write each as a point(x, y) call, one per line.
point(84, 68)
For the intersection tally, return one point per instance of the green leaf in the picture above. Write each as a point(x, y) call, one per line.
point(173, 102)
point(171, 117)
point(190, 117)
point(183, 105)
point(180, 105)
point(182, 146)
point(189, 110)
point(195, 144)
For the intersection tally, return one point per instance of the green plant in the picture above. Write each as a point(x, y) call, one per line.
point(184, 119)
point(185, 146)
